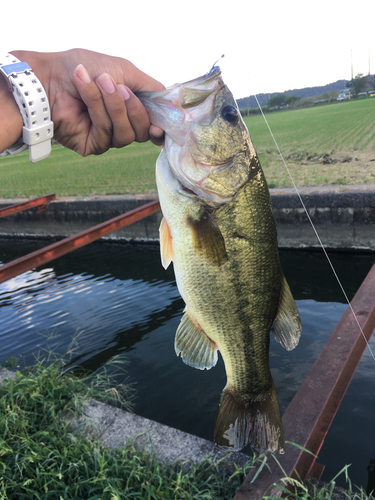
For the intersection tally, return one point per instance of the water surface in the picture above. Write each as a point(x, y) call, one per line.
point(122, 301)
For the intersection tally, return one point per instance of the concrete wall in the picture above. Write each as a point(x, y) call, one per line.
point(344, 218)
point(66, 217)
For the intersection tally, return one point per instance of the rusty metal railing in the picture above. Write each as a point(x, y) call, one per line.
point(41, 203)
point(308, 417)
point(52, 252)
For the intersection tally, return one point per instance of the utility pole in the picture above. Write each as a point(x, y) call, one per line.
point(369, 57)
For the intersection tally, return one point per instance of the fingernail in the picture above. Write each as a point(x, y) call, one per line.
point(82, 74)
point(106, 83)
point(157, 132)
point(124, 91)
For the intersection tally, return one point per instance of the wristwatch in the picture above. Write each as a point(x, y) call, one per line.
point(32, 101)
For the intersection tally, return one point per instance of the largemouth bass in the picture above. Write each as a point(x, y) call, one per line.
point(219, 230)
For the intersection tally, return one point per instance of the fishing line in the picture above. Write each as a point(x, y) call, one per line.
point(315, 231)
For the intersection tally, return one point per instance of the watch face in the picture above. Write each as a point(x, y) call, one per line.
point(15, 68)
point(10, 65)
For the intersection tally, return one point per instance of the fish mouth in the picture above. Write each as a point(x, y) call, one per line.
point(171, 108)
point(214, 72)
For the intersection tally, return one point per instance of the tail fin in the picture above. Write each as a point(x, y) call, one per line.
point(257, 423)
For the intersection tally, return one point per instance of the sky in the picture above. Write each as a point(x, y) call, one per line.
point(269, 46)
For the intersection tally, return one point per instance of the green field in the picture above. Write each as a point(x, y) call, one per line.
point(331, 144)
point(119, 171)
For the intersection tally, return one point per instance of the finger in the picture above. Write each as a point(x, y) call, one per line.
point(123, 132)
point(137, 114)
point(99, 134)
point(156, 135)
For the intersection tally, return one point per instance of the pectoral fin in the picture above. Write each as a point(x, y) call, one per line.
point(287, 326)
point(195, 347)
point(207, 239)
point(166, 247)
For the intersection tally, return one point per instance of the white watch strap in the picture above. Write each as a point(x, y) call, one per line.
point(32, 101)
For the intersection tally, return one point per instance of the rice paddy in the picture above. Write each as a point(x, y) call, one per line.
point(322, 145)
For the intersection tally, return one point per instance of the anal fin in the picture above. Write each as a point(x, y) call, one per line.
point(166, 247)
point(195, 347)
point(287, 326)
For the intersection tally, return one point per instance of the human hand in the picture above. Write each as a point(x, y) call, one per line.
point(93, 106)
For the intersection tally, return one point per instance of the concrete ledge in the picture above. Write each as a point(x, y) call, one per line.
point(343, 216)
point(359, 196)
point(116, 428)
point(5, 373)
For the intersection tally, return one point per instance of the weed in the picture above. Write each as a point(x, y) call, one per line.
point(10, 363)
point(292, 488)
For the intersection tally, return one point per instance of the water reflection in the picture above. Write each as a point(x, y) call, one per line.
point(123, 301)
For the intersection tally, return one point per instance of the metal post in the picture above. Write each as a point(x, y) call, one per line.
point(308, 417)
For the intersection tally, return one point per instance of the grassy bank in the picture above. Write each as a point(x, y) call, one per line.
point(41, 459)
point(331, 144)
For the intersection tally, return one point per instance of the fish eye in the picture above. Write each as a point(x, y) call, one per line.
point(230, 114)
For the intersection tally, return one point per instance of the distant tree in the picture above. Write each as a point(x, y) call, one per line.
point(276, 101)
point(358, 84)
point(292, 99)
point(280, 100)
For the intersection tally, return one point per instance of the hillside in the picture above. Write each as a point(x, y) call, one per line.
point(250, 102)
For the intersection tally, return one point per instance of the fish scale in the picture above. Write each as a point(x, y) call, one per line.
point(251, 283)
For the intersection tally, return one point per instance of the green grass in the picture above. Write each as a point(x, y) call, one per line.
point(304, 137)
point(317, 129)
point(118, 171)
point(41, 459)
